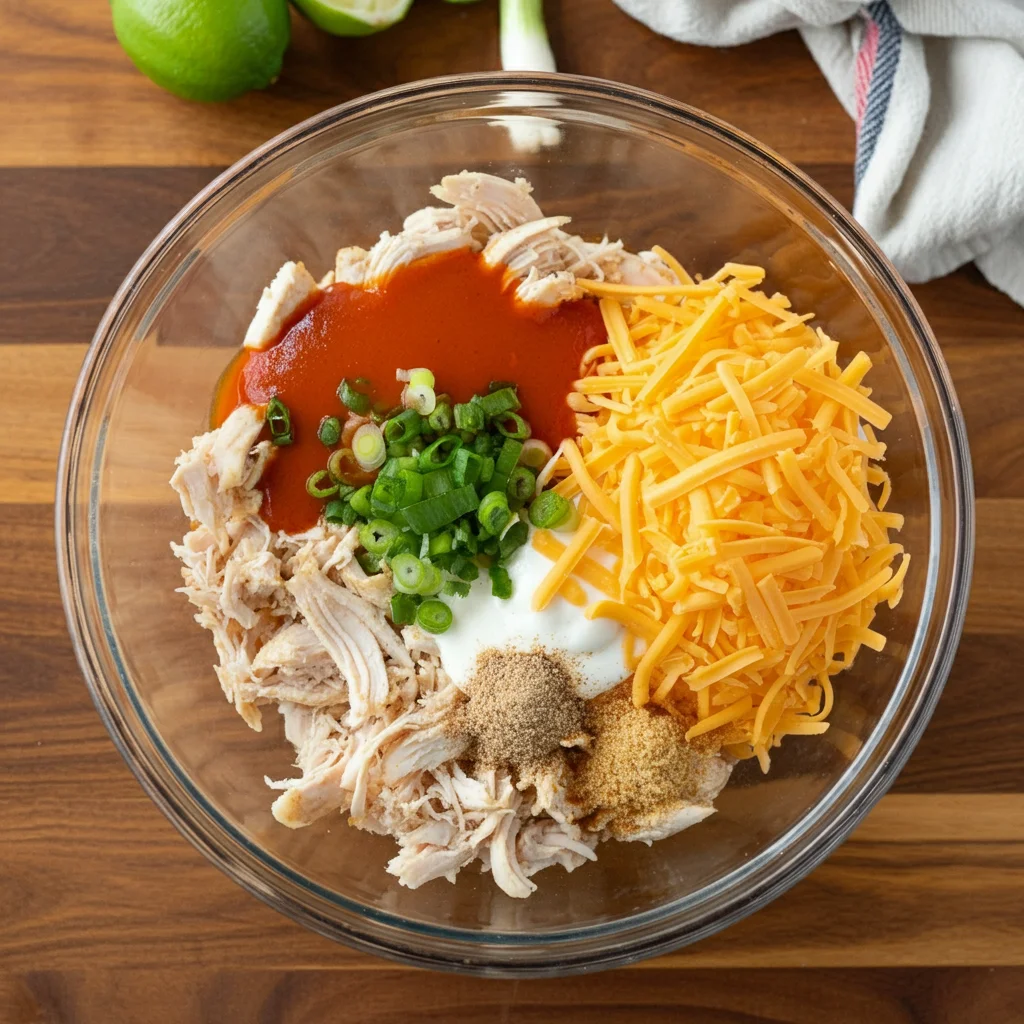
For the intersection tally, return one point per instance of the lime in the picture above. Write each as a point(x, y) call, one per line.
point(354, 17)
point(204, 49)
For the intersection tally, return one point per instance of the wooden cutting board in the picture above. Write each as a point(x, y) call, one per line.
point(109, 915)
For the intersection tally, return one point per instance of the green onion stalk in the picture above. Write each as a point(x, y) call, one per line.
point(524, 38)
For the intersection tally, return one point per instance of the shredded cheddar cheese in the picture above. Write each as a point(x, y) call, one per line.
point(724, 459)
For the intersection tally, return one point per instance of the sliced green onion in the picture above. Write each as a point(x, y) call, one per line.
point(486, 469)
point(508, 457)
point(381, 413)
point(501, 582)
point(494, 513)
point(466, 467)
point(421, 375)
point(336, 464)
point(521, 484)
point(279, 419)
point(440, 453)
point(455, 588)
point(465, 568)
point(466, 541)
point(513, 539)
point(329, 431)
point(548, 510)
point(368, 447)
point(386, 494)
point(349, 516)
point(497, 385)
point(511, 424)
point(420, 397)
point(401, 429)
point(469, 416)
point(334, 511)
point(440, 420)
point(404, 542)
point(393, 467)
point(572, 521)
point(463, 534)
point(484, 444)
point(371, 564)
point(409, 573)
point(440, 543)
point(499, 402)
point(352, 399)
point(434, 616)
point(397, 450)
point(403, 609)
point(432, 581)
point(535, 454)
point(489, 546)
point(439, 482)
point(507, 460)
point(360, 501)
point(378, 535)
point(412, 487)
point(314, 485)
point(433, 513)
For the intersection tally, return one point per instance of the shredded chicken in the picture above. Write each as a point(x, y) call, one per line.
point(501, 217)
point(292, 286)
point(298, 623)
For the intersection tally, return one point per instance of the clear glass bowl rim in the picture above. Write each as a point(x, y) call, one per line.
point(775, 869)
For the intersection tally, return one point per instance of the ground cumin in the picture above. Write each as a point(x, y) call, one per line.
point(639, 762)
point(521, 706)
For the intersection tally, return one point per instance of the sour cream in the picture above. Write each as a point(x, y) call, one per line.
point(592, 647)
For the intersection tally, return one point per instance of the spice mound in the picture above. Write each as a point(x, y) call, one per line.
point(521, 706)
point(640, 770)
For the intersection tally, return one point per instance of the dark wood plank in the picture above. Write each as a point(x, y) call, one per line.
point(71, 236)
point(72, 97)
point(388, 996)
point(968, 745)
point(74, 233)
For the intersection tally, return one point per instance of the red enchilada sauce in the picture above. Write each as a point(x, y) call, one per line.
point(449, 313)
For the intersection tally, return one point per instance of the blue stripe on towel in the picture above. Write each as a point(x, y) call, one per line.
point(887, 58)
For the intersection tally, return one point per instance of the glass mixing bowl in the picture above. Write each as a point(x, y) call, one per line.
point(620, 161)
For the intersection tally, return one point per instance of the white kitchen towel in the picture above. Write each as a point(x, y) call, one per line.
point(936, 88)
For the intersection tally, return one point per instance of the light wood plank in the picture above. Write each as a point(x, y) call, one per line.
point(38, 381)
point(997, 593)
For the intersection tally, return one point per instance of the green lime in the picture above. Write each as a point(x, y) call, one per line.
point(354, 17)
point(204, 49)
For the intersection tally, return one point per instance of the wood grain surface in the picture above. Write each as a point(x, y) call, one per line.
point(109, 915)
